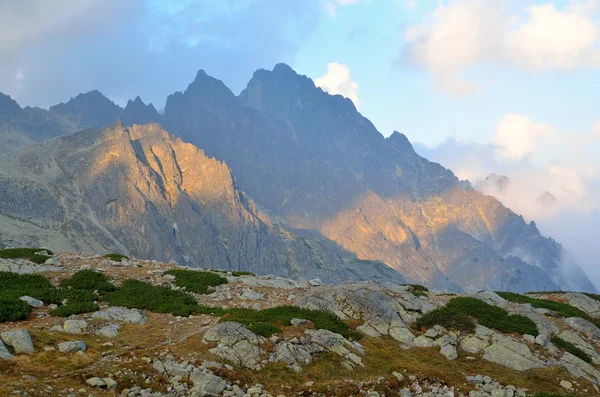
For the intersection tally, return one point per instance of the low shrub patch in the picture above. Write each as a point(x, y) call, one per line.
point(140, 295)
point(561, 308)
point(448, 319)
point(571, 348)
point(13, 310)
point(116, 257)
point(242, 273)
point(196, 280)
point(25, 253)
point(76, 307)
point(282, 315)
point(13, 286)
point(493, 316)
point(89, 280)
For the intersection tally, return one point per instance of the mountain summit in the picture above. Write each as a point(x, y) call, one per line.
point(314, 167)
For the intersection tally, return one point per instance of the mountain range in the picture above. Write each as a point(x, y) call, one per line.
point(283, 179)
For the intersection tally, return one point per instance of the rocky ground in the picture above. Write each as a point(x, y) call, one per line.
point(126, 352)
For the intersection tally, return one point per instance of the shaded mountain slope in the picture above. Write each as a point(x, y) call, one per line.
point(139, 190)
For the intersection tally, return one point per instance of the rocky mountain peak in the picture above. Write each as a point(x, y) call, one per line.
point(400, 142)
point(138, 112)
point(89, 110)
point(494, 184)
point(9, 107)
point(204, 92)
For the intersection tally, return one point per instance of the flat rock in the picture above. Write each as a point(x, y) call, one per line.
point(19, 340)
point(474, 344)
point(584, 326)
point(96, 382)
point(576, 339)
point(584, 302)
point(32, 301)
point(72, 347)
point(124, 314)
point(511, 353)
point(236, 344)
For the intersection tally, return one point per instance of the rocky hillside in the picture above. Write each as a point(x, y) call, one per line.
point(141, 191)
point(92, 325)
point(323, 171)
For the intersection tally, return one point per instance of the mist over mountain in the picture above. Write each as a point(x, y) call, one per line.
point(300, 161)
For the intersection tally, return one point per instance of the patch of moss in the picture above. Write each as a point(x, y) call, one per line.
point(13, 310)
point(89, 280)
point(116, 257)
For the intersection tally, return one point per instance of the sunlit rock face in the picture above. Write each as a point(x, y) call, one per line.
point(328, 180)
point(142, 191)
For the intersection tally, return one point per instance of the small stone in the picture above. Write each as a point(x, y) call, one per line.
point(315, 282)
point(565, 384)
point(96, 382)
point(110, 383)
point(51, 262)
point(109, 331)
point(398, 376)
point(309, 384)
point(32, 301)
point(529, 338)
point(299, 322)
point(72, 347)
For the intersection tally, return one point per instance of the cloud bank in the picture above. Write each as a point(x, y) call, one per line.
point(464, 34)
point(571, 176)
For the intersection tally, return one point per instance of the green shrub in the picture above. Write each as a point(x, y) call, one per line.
point(13, 286)
point(140, 295)
point(571, 348)
point(284, 314)
point(447, 318)
point(77, 307)
point(25, 253)
point(493, 316)
point(196, 281)
point(89, 280)
point(13, 310)
point(116, 257)
point(242, 273)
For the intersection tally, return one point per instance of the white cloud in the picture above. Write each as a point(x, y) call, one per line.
point(338, 80)
point(467, 33)
point(596, 131)
point(516, 136)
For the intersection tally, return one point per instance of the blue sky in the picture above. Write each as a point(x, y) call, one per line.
point(481, 86)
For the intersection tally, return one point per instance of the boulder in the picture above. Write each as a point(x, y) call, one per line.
point(236, 344)
point(474, 344)
point(250, 295)
point(19, 340)
point(382, 313)
point(511, 353)
point(72, 347)
point(492, 298)
point(206, 383)
point(576, 339)
point(124, 314)
point(4, 353)
point(423, 341)
point(32, 301)
point(585, 327)
point(75, 326)
point(299, 322)
point(109, 331)
point(96, 382)
point(579, 368)
point(584, 302)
